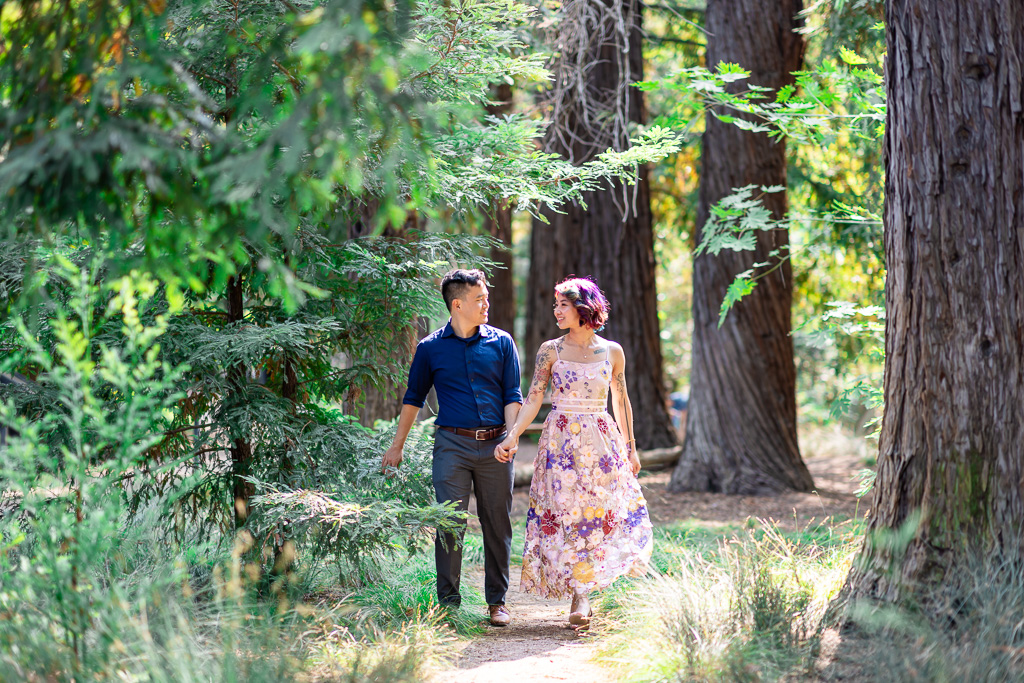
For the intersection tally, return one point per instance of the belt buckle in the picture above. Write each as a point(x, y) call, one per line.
point(478, 436)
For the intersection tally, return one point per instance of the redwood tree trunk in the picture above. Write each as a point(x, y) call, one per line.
point(951, 452)
point(598, 241)
point(741, 426)
point(241, 449)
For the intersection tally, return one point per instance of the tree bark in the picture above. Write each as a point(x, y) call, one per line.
point(241, 449)
point(950, 462)
point(741, 426)
point(611, 239)
point(498, 224)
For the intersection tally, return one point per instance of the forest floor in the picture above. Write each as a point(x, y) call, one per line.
point(539, 645)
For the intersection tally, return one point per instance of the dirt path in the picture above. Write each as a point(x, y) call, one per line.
point(539, 646)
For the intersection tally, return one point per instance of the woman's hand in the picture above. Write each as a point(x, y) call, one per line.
point(506, 450)
point(634, 460)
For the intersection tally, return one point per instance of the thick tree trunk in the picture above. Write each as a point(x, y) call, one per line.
point(618, 252)
point(241, 449)
point(498, 224)
point(951, 453)
point(741, 426)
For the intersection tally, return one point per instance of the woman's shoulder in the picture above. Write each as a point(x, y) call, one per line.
point(547, 351)
point(555, 343)
point(613, 347)
point(615, 354)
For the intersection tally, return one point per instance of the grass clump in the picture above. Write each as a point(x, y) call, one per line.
point(748, 608)
point(968, 628)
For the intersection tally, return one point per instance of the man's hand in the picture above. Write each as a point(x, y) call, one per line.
point(392, 458)
point(506, 450)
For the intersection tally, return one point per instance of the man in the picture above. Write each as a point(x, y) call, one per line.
point(474, 369)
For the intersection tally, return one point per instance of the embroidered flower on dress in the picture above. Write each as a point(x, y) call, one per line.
point(562, 422)
point(608, 524)
point(548, 523)
point(606, 463)
point(635, 517)
point(583, 572)
point(588, 526)
point(550, 459)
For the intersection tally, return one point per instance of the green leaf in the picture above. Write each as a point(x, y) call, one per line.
point(738, 288)
point(851, 57)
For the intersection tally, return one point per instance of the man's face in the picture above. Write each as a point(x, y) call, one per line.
point(474, 304)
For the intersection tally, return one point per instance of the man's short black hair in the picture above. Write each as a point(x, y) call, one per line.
point(455, 283)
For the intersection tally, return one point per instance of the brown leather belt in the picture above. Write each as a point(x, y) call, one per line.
point(482, 434)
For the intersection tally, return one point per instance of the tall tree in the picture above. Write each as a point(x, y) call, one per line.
point(741, 426)
point(608, 233)
point(951, 459)
point(498, 224)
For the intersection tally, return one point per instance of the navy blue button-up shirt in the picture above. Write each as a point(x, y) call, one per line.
point(475, 378)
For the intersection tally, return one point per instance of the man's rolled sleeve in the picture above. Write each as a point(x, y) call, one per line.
point(419, 379)
point(511, 377)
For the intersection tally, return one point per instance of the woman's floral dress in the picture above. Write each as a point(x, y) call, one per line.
point(588, 521)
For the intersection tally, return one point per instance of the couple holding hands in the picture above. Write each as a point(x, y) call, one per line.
point(588, 522)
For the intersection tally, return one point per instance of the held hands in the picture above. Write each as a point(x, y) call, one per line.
point(392, 459)
point(506, 450)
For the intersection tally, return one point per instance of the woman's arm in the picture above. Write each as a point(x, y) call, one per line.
point(621, 407)
point(541, 376)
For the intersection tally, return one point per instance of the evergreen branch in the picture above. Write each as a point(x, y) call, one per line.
point(179, 430)
point(454, 23)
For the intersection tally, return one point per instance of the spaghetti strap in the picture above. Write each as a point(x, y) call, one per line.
point(556, 350)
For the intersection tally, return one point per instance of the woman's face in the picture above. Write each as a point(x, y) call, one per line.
point(565, 313)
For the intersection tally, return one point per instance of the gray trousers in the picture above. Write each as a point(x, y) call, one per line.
point(462, 464)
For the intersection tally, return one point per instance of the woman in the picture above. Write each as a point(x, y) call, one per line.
point(588, 521)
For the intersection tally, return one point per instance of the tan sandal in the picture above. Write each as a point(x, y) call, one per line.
point(577, 619)
point(581, 621)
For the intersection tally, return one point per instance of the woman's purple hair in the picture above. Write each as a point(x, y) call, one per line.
point(588, 299)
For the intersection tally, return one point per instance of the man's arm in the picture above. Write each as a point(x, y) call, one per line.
point(511, 413)
point(419, 384)
point(393, 455)
point(513, 395)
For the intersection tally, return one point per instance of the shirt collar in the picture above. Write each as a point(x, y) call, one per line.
point(482, 331)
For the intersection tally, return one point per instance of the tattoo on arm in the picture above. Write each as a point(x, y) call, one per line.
point(620, 382)
point(541, 373)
